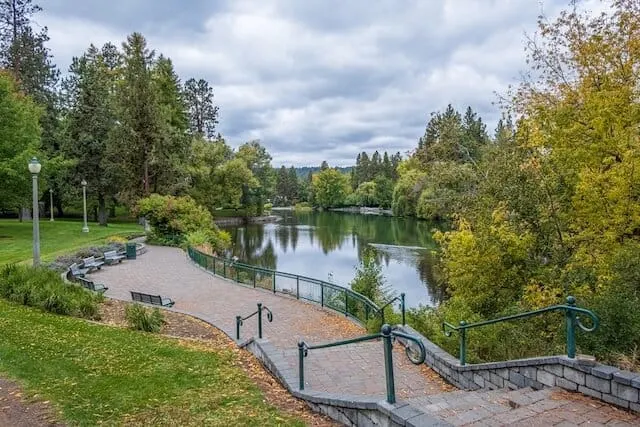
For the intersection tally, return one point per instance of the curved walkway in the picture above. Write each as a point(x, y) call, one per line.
point(356, 369)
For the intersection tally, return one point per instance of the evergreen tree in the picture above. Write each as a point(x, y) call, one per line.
point(171, 149)
point(90, 117)
point(282, 187)
point(203, 114)
point(294, 186)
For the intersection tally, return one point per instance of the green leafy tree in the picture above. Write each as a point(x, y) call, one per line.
point(366, 194)
point(258, 160)
point(330, 188)
point(19, 140)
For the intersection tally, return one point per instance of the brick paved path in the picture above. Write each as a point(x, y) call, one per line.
point(523, 407)
point(352, 369)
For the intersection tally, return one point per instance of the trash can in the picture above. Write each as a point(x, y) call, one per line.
point(131, 250)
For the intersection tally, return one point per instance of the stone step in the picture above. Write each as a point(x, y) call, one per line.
point(547, 407)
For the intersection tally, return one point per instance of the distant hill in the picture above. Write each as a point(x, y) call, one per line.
point(303, 171)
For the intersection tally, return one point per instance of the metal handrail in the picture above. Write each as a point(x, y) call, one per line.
point(387, 333)
point(572, 320)
point(240, 319)
point(209, 262)
point(402, 308)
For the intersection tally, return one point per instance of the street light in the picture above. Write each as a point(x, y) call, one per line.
point(34, 168)
point(51, 206)
point(85, 228)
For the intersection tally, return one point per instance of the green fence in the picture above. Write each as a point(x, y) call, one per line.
point(326, 294)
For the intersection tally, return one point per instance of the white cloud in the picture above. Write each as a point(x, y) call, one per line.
point(325, 79)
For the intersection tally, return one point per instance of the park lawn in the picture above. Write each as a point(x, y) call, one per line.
point(96, 374)
point(56, 238)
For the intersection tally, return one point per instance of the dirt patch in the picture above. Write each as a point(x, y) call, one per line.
point(15, 410)
point(198, 333)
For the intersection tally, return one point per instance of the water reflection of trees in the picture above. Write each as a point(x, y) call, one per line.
point(330, 231)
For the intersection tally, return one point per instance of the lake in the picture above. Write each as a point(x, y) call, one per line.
point(329, 246)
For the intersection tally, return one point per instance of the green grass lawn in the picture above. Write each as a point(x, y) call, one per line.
point(96, 374)
point(56, 238)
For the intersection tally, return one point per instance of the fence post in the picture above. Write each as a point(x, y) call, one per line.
point(238, 322)
point(224, 269)
point(274, 282)
point(301, 364)
point(366, 312)
point(297, 287)
point(237, 275)
point(388, 363)
point(404, 319)
point(463, 343)
point(255, 273)
point(346, 303)
point(260, 320)
point(214, 265)
point(571, 323)
point(321, 295)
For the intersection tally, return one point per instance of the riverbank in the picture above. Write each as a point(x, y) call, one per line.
point(240, 220)
point(364, 210)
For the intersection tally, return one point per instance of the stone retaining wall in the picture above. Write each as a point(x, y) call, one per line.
point(361, 411)
point(607, 383)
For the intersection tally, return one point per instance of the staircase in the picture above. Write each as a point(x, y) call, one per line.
point(527, 407)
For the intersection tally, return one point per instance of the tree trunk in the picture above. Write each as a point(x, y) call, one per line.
point(95, 214)
point(58, 203)
point(102, 211)
point(112, 210)
point(146, 177)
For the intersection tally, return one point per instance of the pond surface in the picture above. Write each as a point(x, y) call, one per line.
point(330, 245)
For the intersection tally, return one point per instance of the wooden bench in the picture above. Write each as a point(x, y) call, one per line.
point(92, 286)
point(92, 263)
point(112, 257)
point(151, 299)
point(76, 271)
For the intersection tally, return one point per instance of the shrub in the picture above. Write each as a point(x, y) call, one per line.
point(142, 319)
point(174, 218)
point(268, 207)
point(303, 207)
point(45, 289)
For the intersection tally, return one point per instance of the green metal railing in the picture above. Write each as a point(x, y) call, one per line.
point(240, 319)
point(402, 308)
point(335, 297)
point(571, 319)
point(387, 334)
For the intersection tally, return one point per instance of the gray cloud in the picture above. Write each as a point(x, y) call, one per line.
point(321, 79)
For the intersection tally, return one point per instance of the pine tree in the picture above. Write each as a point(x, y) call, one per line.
point(168, 165)
point(139, 128)
point(90, 118)
point(294, 186)
point(203, 114)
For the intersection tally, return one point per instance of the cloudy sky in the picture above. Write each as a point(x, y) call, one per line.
point(320, 79)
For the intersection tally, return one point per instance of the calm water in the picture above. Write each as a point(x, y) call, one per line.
point(329, 246)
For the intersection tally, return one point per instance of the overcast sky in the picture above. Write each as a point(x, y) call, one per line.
point(320, 79)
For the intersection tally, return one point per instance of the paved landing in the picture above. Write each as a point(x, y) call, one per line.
point(352, 369)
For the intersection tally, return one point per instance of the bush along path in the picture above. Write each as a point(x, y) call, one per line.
point(356, 369)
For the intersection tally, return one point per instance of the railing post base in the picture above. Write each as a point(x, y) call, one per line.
point(301, 364)
point(388, 363)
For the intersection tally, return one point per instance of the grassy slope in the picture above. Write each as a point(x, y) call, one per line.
point(56, 238)
point(99, 374)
